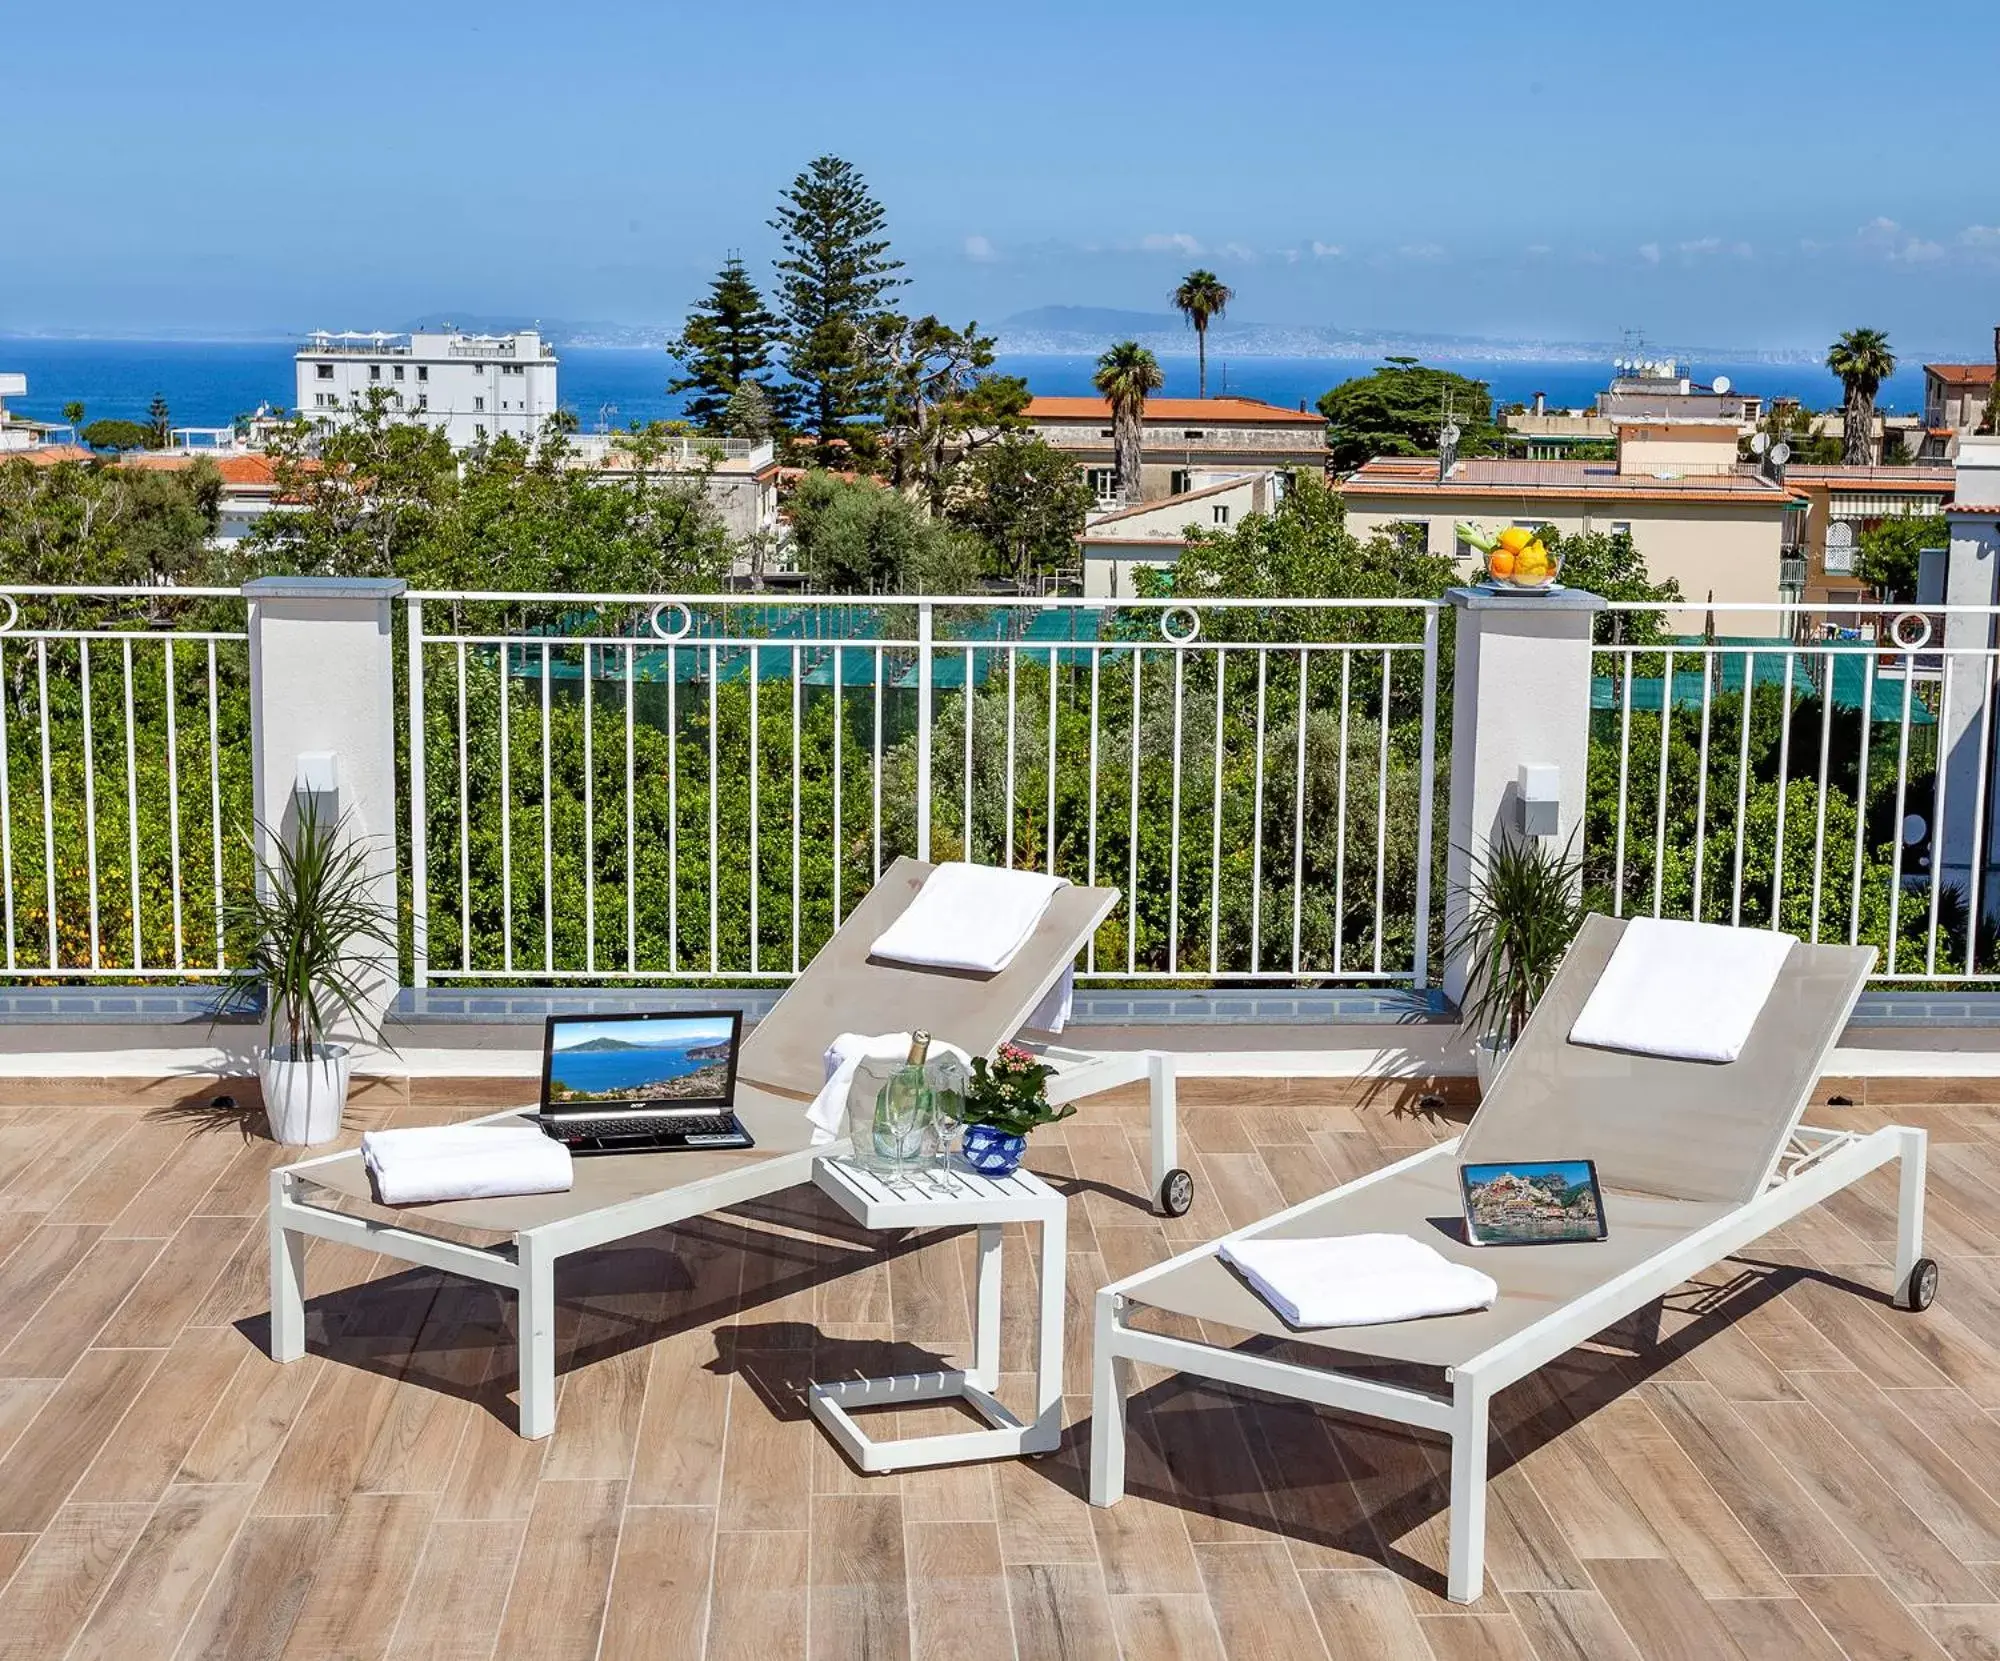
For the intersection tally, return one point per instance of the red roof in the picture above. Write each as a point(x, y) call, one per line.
point(1526, 481)
point(47, 455)
point(1961, 374)
point(1216, 412)
point(251, 469)
point(1875, 481)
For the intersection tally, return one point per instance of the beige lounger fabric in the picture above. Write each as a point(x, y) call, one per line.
point(1678, 1144)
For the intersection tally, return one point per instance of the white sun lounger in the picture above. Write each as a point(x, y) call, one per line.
point(515, 1242)
point(1696, 1160)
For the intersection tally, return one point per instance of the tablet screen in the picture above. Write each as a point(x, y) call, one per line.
point(1531, 1202)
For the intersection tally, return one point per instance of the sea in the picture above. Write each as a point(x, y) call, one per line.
point(602, 1072)
point(210, 383)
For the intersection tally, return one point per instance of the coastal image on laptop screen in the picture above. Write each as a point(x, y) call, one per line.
point(668, 1060)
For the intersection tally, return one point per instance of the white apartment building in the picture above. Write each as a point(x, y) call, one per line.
point(473, 388)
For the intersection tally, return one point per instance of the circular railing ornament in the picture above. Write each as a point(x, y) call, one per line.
point(1170, 635)
point(1898, 631)
point(13, 613)
point(687, 621)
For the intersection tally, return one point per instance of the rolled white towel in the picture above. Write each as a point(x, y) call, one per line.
point(828, 1113)
point(1053, 1012)
point(1684, 991)
point(969, 917)
point(1357, 1279)
point(429, 1164)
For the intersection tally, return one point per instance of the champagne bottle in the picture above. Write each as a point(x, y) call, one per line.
point(903, 1109)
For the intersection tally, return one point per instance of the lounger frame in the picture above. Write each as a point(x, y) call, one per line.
point(1815, 1164)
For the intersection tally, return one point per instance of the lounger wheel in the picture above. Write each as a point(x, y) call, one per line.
point(1920, 1290)
point(1176, 1194)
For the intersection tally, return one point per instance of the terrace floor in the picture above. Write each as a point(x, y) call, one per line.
point(1795, 1470)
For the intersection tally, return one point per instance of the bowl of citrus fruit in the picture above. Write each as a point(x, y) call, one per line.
point(1515, 558)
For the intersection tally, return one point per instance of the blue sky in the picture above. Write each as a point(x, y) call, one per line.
point(1474, 168)
point(666, 1029)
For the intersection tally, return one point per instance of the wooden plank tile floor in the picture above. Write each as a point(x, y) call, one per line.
point(1779, 1465)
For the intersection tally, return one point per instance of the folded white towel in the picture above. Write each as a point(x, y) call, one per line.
point(432, 1163)
point(1358, 1279)
point(1686, 991)
point(828, 1113)
point(971, 917)
point(1053, 1012)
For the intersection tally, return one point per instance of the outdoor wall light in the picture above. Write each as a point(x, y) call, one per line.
point(1540, 790)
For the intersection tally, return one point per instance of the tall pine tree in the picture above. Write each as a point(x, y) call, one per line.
point(832, 283)
point(726, 341)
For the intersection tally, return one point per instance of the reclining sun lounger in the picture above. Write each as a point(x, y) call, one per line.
point(780, 1069)
point(1696, 1160)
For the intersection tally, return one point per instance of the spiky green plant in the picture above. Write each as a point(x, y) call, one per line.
point(309, 919)
point(1522, 909)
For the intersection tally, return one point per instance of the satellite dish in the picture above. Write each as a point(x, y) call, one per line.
point(1450, 433)
point(1721, 384)
point(1759, 443)
point(1780, 454)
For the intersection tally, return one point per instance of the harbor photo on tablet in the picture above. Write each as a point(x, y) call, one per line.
point(1531, 1202)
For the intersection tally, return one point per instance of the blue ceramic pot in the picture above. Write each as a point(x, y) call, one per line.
point(991, 1152)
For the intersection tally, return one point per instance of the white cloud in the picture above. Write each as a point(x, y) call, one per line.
point(1980, 236)
point(1919, 252)
point(1421, 251)
point(1650, 252)
point(1539, 250)
point(1170, 242)
point(1237, 251)
point(1880, 230)
point(980, 248)
point(1701, 245)
point(1326, 250)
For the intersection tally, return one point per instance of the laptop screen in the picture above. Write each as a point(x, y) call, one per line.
point(595, 1063)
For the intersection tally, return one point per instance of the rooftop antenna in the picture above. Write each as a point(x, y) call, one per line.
point(1448, 436)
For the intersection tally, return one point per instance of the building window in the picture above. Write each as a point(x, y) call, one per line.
point(324, 371)
point(479, 433)
point(399, 371)
point(1622, 527)
point(1193, 432)
point(374, 371)
point(1464, 550)
point(1220, 513)
point(1104, 432)
point(479, 404)
point(1178, 482)
point(423, 372)
point(423, 400)
point(1413, 536)
point(1103, 482)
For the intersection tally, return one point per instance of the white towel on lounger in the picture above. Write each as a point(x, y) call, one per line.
point(1686, 991)
point(968, 917)
point(1357, 1279)
point(432, 1163)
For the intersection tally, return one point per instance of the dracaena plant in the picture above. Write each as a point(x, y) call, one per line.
point(311, 917)
point(1010, 1093)
point(1522, 910)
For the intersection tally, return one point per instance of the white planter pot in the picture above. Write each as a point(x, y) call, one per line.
point(1489, 1055)
point(303, 1100)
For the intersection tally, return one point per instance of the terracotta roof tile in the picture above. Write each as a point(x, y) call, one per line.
point(1217, 412)
point(1961, 374)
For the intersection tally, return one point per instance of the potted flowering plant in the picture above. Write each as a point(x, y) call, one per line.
point(1006, 1098)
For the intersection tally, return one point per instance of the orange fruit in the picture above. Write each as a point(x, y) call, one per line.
point(1500, 563)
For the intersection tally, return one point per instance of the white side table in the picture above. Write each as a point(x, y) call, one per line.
point(943, 1200)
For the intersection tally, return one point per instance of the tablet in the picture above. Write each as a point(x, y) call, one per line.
point(1531, 1202)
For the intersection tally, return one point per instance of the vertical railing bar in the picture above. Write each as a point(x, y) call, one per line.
point(420, 875)
point(674, 807)
point(1339, 812)
point(1896, 824)
point(589, 809)
point(89, 794)
point(48, 800)
point(1007, 838)
point(1049, 831)
point(506, 655)
point(1132, 834)
point(1257, 820)
point(1660, 808)
point(1215, 820)
point(1939, 774)
point(1299, 829)
point(1096, 671)
point(756, 771)
point(1825, 756)
point(548, 829)
point(1382, 813)
point(1743, 787)
point(877, 769)
point(1624, 781)
point(714, 816)
point(1709, 670)
point(966, 712)
point(1868, 663)
point(798, 708)
point(839, 746)
point(173, 804)
point(1977, 864)
point(1174, 841)
point(926, 693)
point(464, 822)
point(132, 808)
point(7, 812)
point(214, 807)
point(1427, 792)
point(1784, 788)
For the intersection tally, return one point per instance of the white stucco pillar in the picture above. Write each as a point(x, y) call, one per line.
point(1972, 578)
point(1520, 697)
point(322, 682)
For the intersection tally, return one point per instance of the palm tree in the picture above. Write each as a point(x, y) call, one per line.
point(1127, 375)
point(1201, 297)
point(1863, 361)
point(73, 414)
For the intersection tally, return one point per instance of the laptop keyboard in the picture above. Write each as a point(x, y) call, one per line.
point(680, 1124)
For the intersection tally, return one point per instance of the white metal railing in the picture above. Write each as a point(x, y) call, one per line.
point(124, 768)
point(617, 787)
point(1848, 797)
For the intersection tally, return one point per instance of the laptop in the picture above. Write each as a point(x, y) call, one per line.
point(642, 1083)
